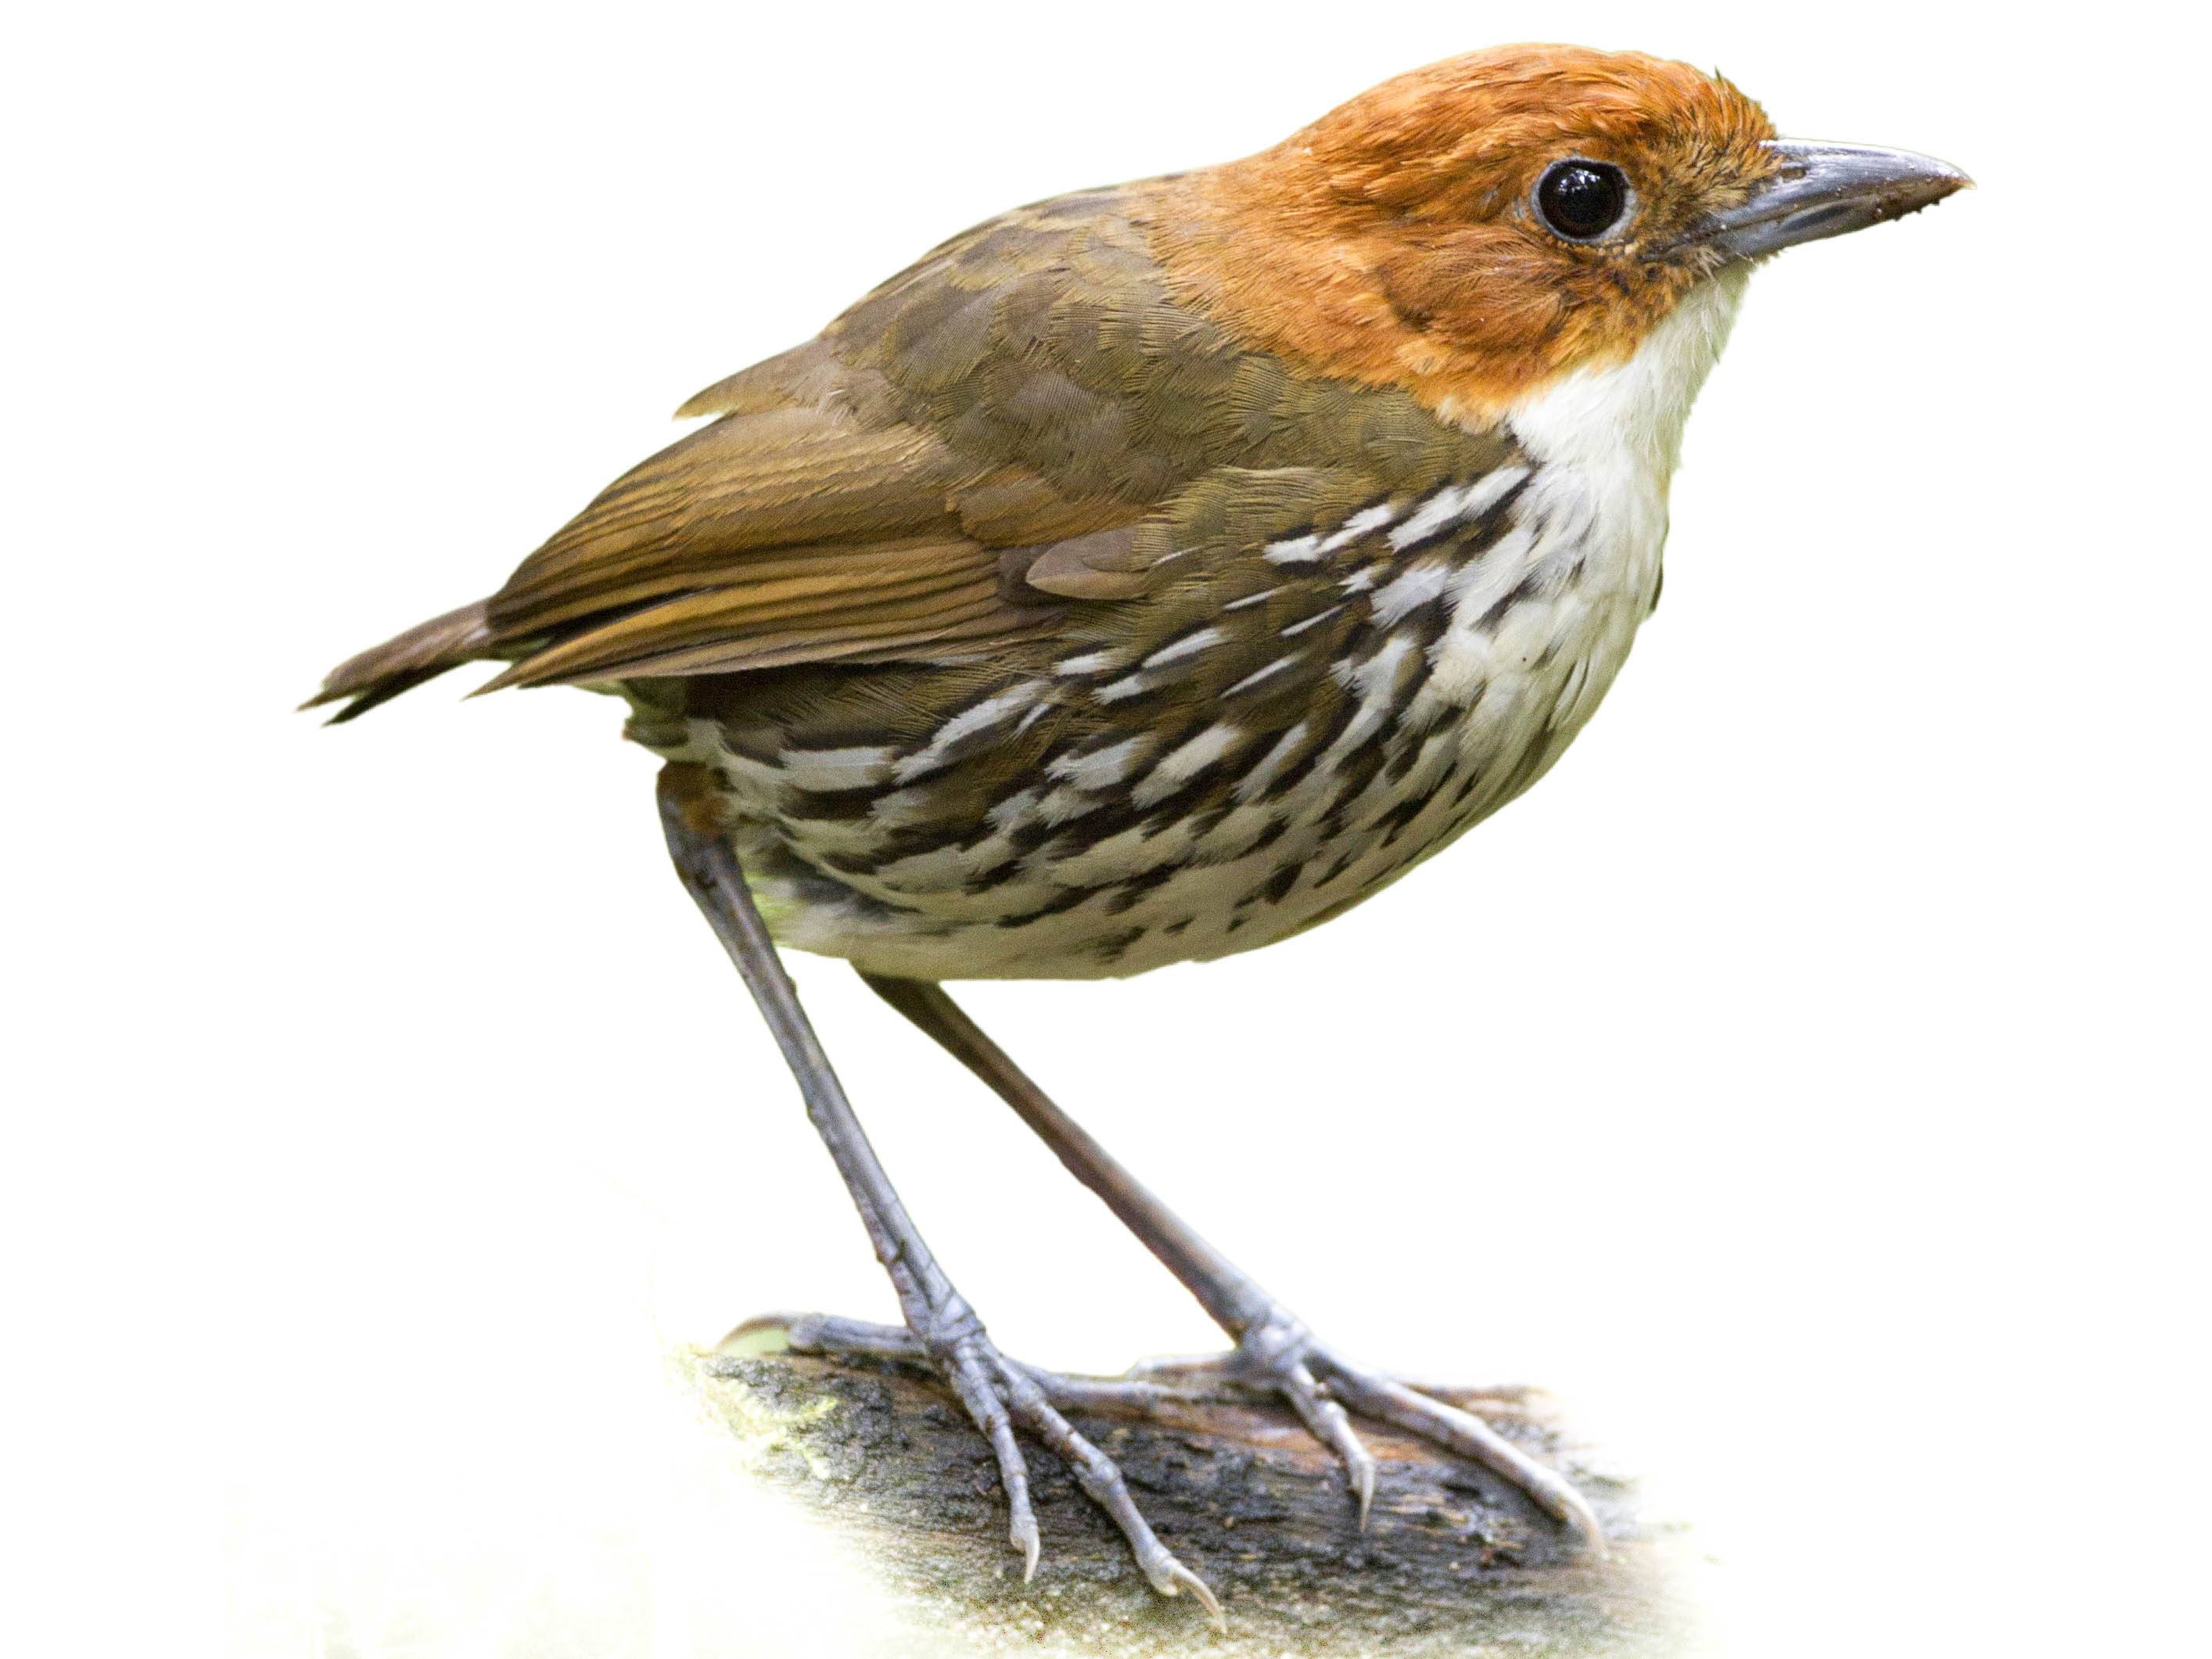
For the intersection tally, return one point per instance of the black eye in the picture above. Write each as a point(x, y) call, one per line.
point(1581, 199)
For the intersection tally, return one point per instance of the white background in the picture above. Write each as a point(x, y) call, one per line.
point(1807, 1081)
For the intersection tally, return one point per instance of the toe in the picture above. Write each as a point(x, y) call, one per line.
point(1099, 1476)
point(1106, 1393)
point(1329, 1423)
point(970, 1373)
point(1470, 1436)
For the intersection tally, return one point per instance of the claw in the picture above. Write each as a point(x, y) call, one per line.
point(1180, 1578)
point(1363, 1480)
point(1027, 1542)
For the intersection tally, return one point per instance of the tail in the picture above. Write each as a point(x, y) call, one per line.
point(423, 652)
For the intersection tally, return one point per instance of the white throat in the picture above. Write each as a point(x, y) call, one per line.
point(1596, 421)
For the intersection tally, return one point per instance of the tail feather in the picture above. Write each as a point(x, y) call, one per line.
point(423, 652)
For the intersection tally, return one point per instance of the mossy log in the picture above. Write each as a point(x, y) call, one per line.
point(1453, 1561)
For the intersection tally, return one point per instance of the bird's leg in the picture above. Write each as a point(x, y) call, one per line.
point(1274, 1350)
point(947, 1334)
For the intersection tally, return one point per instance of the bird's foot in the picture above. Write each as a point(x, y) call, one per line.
point(999, 1393)
point(1277, 1356)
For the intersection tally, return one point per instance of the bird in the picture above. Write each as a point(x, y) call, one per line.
point(1152, 574)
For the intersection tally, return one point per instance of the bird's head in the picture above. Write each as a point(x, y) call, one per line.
point(1476, 230)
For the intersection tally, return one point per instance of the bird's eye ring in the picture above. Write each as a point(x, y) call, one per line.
point(1582, 200)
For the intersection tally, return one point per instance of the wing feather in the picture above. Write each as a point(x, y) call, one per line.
point(1024, 430)
point(726, 618)
point(747, 484)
